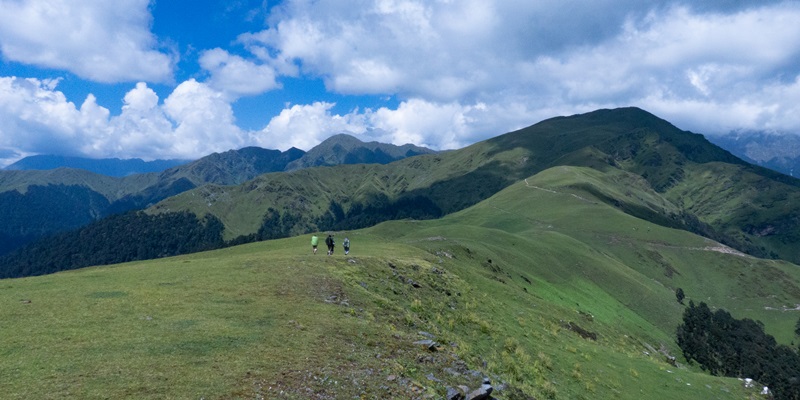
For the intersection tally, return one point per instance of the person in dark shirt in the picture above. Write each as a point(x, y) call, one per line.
point(329, 241)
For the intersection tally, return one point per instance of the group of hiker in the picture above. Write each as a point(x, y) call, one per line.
point(330, 243)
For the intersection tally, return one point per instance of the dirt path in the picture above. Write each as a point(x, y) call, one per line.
point(719, 248)
point(553, 191)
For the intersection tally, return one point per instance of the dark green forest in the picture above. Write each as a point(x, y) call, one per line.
point(116, 239)
point(136, 235)
point(726, 346)
point(276, 225)
point(44, 210)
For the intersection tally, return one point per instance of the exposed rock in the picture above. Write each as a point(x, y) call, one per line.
point(455, 394)
point(413, 283)
point(580, 331)
point(431, 377)
point(429, 344)
point(482, 393)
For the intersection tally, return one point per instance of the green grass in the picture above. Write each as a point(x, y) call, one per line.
point(271, 320)
point(652, 170)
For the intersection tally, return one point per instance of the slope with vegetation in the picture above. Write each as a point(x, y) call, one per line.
point(682, 182)
point(345, 149)
point(544, 288)
point(38, 203)
point(695, 185)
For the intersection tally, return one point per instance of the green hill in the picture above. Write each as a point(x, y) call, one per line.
point(693, 184)
point(345, 149)
point(544, 288)
point(36, 204)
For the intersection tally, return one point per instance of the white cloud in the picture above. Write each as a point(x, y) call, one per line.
point(305, 126)
point(235, 76)
point(569, 56)
point(204, 120)
point(416, 121)
point(440, 126)
point(104, 41)
point(193, 121)
point(462, 71)
point(410, 47)
point(36, 118)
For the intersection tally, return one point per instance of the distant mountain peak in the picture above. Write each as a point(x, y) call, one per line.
point(343, 148)
point(777, 151)
point(104, 166)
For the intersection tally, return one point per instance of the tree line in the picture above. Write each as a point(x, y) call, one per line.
point(723, 345)
point(119, 238)
point(136, 235)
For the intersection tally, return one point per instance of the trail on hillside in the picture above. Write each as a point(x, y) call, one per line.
point(553, 191)
point(719, 248)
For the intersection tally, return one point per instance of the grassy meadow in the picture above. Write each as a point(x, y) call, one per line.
point(543, 288)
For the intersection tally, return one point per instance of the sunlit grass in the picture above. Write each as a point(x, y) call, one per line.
point(548, 303)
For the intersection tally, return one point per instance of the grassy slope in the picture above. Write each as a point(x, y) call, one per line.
point(307, 192)
point(263, 318)
point(750, 207)
point(732, 198)
point(110, 187)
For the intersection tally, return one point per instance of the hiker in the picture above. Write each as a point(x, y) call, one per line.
point(314, 241)
point(330, 243)
point(346, 245)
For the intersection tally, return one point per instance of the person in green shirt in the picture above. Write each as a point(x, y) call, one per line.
point(314, 242)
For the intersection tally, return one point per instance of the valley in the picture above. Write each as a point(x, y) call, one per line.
point(548, 293)
point(548, 261)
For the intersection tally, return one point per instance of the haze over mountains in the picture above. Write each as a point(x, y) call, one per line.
point(107, 166)
point(780, 152)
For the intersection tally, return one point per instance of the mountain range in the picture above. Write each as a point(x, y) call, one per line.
point(686, 183)
point(37, 203)
point(692, 184)
point(106, 166)
point(780, 152)
point(561, 261)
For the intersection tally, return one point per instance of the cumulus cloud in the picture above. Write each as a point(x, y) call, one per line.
point(36, 118)
point(99, 40)
point(416, 121)
point(204, 120)
point(461, 71)
point(235, 76)
point(304, 126)
point(193, 121)
point(548, 55)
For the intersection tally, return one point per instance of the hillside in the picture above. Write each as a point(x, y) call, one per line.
point(544, 288)
point(696, 186)
point(346, 149)
point(36, 204)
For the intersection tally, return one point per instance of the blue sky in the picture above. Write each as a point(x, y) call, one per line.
point(158, 79)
